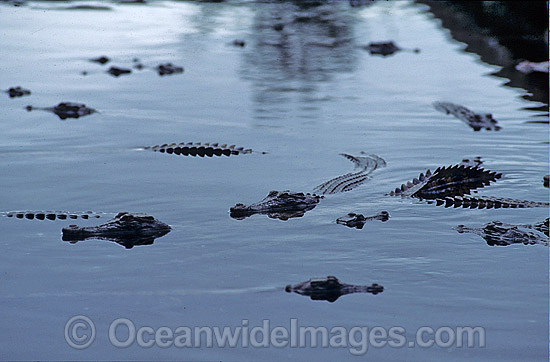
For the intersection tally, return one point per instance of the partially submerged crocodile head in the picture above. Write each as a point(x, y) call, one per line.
point(330, 288)
point(497, 233)
point(117, 72)
point(382, 48)
point(127, 229)
point(353, 220)
point(281, 205)
point(18, 92)
point(66, 110)
point(168, 68)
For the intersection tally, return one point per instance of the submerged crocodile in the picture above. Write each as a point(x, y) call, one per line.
point(200, 149)
point(17, 92)
point(353, 220)
point(351, 180)
point(168, 68)
point(51, 215)
point(497, 233)
point(474, 120)
point(101, 60)
point(125, 228)
point(384, 48)
point(281, 205)
point(450, 186)
point(330, 289)
point(66, 110)
point(116, 71)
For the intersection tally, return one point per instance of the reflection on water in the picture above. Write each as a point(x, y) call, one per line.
point(498, 45)
point(296, 46)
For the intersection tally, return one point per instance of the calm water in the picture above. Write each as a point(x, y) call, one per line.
point(304, 95)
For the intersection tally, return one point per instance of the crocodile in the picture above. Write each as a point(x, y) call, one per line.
point(66, 110)
point(17, 92)
point(238, 43)
point(116, 71)
point(168, 68)
point(51, 215)
point(200, 149)
point(451, 186)
point(384, 48)
point(497, 233)
point(281, 205)
point(127, 229)
point(351, 180)
point(284, 205)
point(353, 220)
point(474, 120)
point(101, 60)
point(330, 289)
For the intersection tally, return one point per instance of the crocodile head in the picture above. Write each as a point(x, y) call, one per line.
point(125, 228)
point(281, 205)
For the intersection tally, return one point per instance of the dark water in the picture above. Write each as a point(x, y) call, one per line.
point(304, 95)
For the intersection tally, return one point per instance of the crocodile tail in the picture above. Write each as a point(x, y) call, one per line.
point(351, 180)
point(199, 149)
point(410, 188)
point(367, 163)
point(342, 183)
point(51, 215)
point(457, 180)
point(486, 203)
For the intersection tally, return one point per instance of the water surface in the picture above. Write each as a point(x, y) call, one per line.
point(303, 94)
